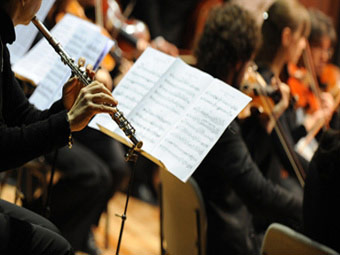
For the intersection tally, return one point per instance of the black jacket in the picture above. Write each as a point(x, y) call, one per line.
point(233, 189)
point(321, 193)
point(25, 132)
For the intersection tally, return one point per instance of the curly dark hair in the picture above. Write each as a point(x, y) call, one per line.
point(230, 35)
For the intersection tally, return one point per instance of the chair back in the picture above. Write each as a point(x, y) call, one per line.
point(183, 217)
point(282, 240)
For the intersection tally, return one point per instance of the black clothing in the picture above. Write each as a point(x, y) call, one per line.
point(167, 18)
point(24, 232)
point(92, 171)
point(25, 133)
point(321, 194)
point(233, 189)
point(79, 196)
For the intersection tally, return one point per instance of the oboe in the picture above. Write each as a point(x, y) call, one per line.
point(82, 75)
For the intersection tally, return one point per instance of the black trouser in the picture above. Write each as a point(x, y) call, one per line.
point(91, 172)
point(109, 151)
point(81, 193)
point(24, 232)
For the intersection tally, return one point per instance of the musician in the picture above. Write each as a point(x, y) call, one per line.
point(26, 133)
point(322, 40)
point(284, 32)
point(321, 194)
point(232, 185)
point(89, 174)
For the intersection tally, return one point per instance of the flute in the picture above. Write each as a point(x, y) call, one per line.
point(118, 116)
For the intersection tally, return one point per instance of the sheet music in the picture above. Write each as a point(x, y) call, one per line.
point(186, 145)
point(44, 67)
point(25, 35)
point(169, 98)
point(143, 75)
point(181, 116)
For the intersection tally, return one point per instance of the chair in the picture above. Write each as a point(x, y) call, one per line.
point(282, 240)
point(183, 218)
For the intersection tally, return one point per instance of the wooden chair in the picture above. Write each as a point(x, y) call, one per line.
point(282, 240)
point(30, 180)
point(183, 218)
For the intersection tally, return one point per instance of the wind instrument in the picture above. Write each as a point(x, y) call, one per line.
point(82, 75)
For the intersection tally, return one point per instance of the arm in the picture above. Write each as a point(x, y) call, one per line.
point(233, 167)
point(27, 132)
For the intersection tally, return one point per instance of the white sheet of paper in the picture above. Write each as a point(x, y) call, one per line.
point(44, 67)
point(186, 145)
point(25, 35)
point(142, 76)
point(181, 116)
point(169, 98)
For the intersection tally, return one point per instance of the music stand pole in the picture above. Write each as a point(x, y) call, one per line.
point(133, 159)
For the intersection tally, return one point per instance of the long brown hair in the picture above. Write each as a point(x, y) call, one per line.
point(281, 14)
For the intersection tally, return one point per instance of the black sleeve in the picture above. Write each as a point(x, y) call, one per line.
point(27, 132)
point(233, 165)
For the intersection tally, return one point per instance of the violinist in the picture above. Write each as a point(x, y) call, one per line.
point(26, 133)
point(322, 40)
point(233, 188)
point(284, 32)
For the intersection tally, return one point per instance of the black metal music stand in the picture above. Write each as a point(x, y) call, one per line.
point(131, 156)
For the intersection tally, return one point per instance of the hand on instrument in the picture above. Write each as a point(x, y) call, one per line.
point(281, 106)
point(92, 99)
point(83, 103)
point(323, 115)
point(327, 105)
point(73, 86)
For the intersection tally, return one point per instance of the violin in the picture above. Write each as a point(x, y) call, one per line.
point(133, 35)
point(263, 97)
point(298, 81)
point(329, 78)
point(266, 99)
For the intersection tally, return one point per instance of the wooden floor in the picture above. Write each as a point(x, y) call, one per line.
point(141, 230)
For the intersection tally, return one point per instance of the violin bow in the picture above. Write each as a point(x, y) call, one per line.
point(294, 161)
